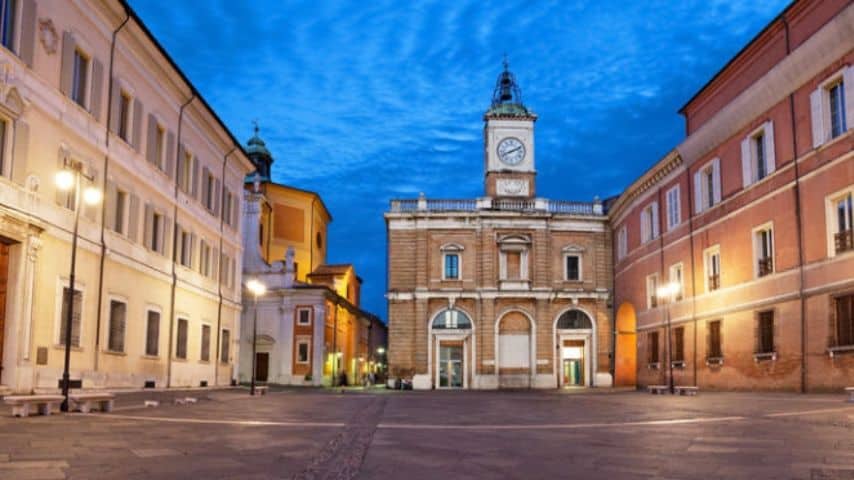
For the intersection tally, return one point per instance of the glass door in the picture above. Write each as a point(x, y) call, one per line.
point(450, 366)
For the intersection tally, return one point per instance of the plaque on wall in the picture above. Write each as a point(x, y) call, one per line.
point(512, 187)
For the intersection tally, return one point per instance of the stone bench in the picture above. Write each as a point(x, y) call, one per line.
point(658, 389)
point(85, 401)
point(850, 392)
point(262, 390)
point(21, 404)
point(691, 391)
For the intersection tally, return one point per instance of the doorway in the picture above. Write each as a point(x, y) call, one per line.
point(572, 370)
point(450, 365)
point(262, 366)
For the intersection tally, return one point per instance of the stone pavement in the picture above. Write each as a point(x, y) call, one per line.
point(317, 434)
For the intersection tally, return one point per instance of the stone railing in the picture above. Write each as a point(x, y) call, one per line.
point(560, 207)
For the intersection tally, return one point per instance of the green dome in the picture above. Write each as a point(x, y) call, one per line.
point(256, 145)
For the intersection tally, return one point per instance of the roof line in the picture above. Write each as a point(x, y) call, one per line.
point(132, 13)
point(248, 181)
point(735, 57)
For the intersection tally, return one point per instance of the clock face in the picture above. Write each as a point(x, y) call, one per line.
point(511, 151)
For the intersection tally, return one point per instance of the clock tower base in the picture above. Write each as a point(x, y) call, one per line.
point(510, 184)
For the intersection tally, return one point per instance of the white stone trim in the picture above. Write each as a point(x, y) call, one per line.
point(532, 361)
point(590, 345)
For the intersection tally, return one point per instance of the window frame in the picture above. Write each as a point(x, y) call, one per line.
point(835, 331)
point(186, 344)
point(446, 256)
point(674, 207)
point(832, 221)
point(109, 330)
point(622, 242)
point(12, 34)
point(711, 354)
point(86, 87)
point(652, 284)
point(62, 284)
point(649, 220)
point(125, 126)
point(681, 269)
point(760, 334)
point(578, 258)
point(225, 346)
point(205, 327)
point(653, 343)
point(148, 311)
point(837, 84)
point(310, 316)
point(307, 343)
point(758, 245)
point(708, 254)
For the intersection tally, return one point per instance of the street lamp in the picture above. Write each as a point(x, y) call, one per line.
point(669, 292)
point(257, 288)
point(68, 179)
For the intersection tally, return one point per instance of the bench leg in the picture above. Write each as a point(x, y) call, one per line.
point(851, 397)
point(45, 408)
point(85, 406)
point(107, 406)
point(22, 410)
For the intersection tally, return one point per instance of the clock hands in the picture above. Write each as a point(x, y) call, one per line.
point(514, 150)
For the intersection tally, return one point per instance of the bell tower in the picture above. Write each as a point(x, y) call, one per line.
point(508, 137)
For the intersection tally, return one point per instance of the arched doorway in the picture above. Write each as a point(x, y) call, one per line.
point(575, 346)
point(450, 337)
point(625, 365)
point(515, 350)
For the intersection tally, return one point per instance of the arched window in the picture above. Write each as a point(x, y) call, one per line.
point(452, 319)
point(574, 320)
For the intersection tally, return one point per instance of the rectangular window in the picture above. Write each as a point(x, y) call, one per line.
point(649, 222)
point(209, 192)
point(759, 165)
point(204, 258)
point(156, 231)
point(304, 316)
point(226, 207)
point(205, 354)
point(225, 346)
point(75, 316)
point(844, 235)
point(160, 147)
point(764, 251)
point(714, 350)
point(573, 267)
point(836, 94)
point(186, 244)
point(713, 270)
point(121, 206)
point(302, 351)
point(124, 113)
point(622, 243)
point(7, 23)
point(80, 78)
point(452, 266)
point(709, 187)
point(679, 344)
point(181, 347)
point(652, 340)
point(152, 333)
point(514, 265)
point(844, 321)
point(187, 173)
point(676, 279)
point(118, 315)
point(765, 333)
point(652, 290)
point(674, 210)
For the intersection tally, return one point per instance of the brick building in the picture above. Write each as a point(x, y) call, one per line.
point(750, 218)
point(506, 290)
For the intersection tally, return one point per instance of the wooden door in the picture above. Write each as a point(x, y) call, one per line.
point(4, 277)
point(262, 364)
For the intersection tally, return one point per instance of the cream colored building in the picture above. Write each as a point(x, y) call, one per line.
point(158, 268)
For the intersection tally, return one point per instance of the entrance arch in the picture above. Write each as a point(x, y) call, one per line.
point(450, 350)
point(625, 365)
point(515, 350)
point(575, 362)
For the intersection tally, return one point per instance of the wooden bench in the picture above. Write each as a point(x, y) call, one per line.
point(85, 401)
point(658, 389)
point(262, 390)
point(21, 404)
point(850, 392)
point(690, 391)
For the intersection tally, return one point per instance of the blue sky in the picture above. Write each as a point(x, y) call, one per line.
point(368, 101)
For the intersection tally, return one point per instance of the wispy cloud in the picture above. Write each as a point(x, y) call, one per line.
point(365, 101)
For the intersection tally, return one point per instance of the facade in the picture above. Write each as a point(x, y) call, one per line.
point(504, 291)
point(156, 301)
point(310, 329)
point(750, 217)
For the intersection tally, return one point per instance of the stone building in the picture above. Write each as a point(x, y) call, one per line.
point(505, 290)
point(310, 329)
point(156, 299)
point(750, 218)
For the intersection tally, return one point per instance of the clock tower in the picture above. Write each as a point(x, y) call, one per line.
point(508, 136)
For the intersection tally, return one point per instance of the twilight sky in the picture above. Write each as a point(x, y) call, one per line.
point(368, 101)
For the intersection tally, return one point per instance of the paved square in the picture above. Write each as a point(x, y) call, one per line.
point(312, 434)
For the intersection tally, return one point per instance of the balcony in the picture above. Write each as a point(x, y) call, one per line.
point(537, 205)
point(844, 241)
point(765, 266)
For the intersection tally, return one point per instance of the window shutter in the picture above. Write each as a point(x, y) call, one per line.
point(746, 163)
point(181, 160)
point(116, 340)
point(28, 31)
point(235, 208)
point(644, 225)
point(179, 230)
point(67, 72)
point(204, 181)
point(133, 218)
point(137, 124)
point(816, 101)
point(848, 93)
point(770, 154)
point(97, 88)
point(20, 152)
point(716, 177)
point(115, 107)
point(151, 140)
point(170, 155)
point(167, 239)
point(194, 261)
point(217, 200)
point(215, 264)
point(655, 226)
point(698, 193)
point(110, 205)
point(147, 239)
point(195, 180)
point(75, 318)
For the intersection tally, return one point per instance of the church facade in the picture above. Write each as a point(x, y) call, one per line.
point(508, 290)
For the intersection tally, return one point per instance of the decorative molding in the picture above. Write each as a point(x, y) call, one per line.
point(512, 187)
point(48, 36)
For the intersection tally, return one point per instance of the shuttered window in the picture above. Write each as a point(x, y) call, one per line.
point(224, 348)
point(302, 351)
point(152, 333)
point(118, 315)
point(80, 78)
point(679, 344)
point(844, 321)
point(765, 332)
point(652, 341)
point(75, 317)
point(205, 354)
point(181, 347)
point(120, 206)
point(124, 114)
point(7, 23)
point(836, 94)
point(714, 348)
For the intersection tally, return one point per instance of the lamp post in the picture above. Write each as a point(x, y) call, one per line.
point(257, 288)
point(67, 179)
point(668, 292)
